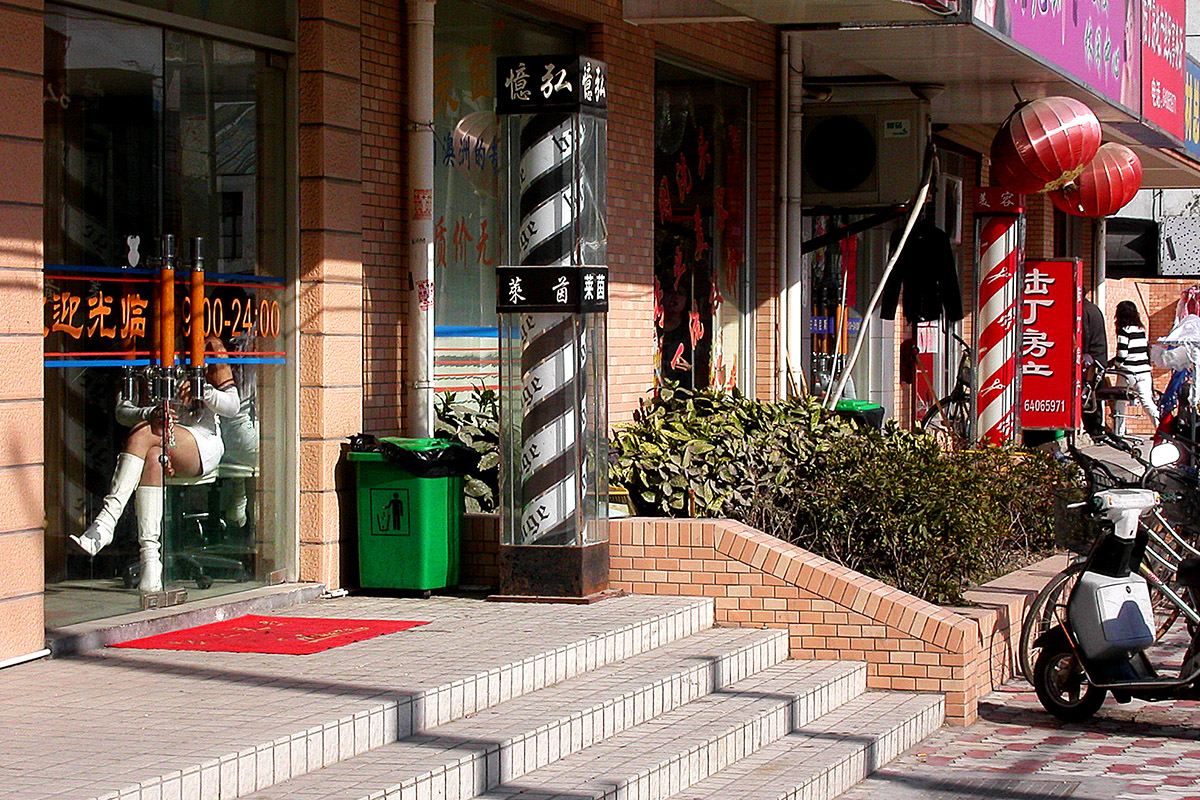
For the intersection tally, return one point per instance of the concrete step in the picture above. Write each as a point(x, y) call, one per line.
point(828, 757)
point(677, 750)
point(472, 754)
point(211, 758)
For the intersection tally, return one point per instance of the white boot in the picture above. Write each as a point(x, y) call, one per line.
point(148, 506)
point(233, 510)
point(126, 477)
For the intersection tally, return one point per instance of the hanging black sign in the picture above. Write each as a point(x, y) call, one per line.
point(571, 289)
point(533, 84)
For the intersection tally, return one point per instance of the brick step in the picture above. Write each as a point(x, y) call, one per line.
point(327, 731)
point(471, 754)
point(672, 752)
point(828, 757)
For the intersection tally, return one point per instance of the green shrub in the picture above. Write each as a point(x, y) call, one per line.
point(476, 424)
point(892, 505)
point(705, 453)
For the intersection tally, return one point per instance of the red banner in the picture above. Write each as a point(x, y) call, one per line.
point(1051, 334)
point(1163, 54)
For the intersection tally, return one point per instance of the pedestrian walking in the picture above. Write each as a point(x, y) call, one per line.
point(1133, 357)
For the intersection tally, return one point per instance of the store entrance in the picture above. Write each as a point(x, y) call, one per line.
point(165, 244)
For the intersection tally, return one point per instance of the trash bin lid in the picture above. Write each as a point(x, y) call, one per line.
point(419, 445)
point(855, 405)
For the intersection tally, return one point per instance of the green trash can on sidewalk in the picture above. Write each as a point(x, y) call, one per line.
point(409, 513)
point(863, 413)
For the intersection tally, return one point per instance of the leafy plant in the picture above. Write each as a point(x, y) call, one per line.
point(891, 504)
point(476, 424)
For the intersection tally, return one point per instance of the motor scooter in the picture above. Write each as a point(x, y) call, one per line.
point(1099, 644)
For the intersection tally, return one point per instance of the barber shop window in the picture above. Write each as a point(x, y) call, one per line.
point(701, 231)
point(468, 38)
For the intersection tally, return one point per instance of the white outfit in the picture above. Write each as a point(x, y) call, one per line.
point(201, 423)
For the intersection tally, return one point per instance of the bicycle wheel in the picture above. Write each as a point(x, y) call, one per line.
point(1043, 615)
point(948, 420)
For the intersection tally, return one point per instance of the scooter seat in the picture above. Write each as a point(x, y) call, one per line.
point(1189, 573)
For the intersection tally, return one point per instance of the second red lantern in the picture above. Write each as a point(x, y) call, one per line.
point(1106, 184)
point(1044, 144)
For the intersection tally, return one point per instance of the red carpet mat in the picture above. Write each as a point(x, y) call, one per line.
point(298, 636)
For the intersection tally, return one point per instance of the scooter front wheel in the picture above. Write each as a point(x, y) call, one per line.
point(1061, 684)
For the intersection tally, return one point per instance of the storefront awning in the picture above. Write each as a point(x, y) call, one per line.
point(973, 80)
point(787, 12)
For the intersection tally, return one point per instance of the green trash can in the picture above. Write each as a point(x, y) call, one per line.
point(408, 524)
point(863, 413)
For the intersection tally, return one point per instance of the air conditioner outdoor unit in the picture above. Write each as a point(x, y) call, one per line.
point(863, 154)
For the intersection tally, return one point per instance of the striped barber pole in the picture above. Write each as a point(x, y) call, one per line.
point(999, 257)
point(551, 351)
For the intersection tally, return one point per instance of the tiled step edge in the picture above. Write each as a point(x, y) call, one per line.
point(826, 759)
point(254, 768)
point(506, 741)
point(680, 748)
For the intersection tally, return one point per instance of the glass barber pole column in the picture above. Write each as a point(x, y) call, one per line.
point(999, 233)
point(552, 295)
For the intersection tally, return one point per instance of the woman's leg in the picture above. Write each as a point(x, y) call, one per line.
point(148, 503)
point(1144, 386)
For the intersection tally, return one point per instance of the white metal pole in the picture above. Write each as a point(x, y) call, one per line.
point(419, 335)
point(794, 285)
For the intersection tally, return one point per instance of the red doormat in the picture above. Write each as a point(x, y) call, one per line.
point(298, 636)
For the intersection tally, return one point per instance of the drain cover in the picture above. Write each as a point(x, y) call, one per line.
point(950, 785)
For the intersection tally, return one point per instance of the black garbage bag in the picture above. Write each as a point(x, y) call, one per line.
point(421, 458)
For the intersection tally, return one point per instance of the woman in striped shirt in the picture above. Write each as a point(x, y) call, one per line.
point(1133, 356)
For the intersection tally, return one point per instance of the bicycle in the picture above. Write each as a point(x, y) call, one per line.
point(1166, 547)
point(950, 416)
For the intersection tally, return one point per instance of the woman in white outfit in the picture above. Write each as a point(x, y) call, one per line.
point(1133, 356)
point(198, 449)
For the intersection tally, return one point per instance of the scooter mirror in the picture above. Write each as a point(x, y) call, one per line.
point(1164, 453)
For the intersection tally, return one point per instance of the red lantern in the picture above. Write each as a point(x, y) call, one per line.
point(1044, 144)
point(1104, 187)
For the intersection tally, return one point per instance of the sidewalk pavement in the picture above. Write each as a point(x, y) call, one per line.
point(107, 719)
point(1016, 750)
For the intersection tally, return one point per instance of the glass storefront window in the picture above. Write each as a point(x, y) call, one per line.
point(700, 228)
point(468, 38)
point(152, 133)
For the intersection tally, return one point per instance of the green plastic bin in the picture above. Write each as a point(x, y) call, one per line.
point(861, 412)
point(408, 526)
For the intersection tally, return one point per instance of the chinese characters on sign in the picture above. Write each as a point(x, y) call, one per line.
point(531, 84)
point(1051, 309)
point(1163, 68)
point(998, 200)
point(567, 289)
point(93, 316)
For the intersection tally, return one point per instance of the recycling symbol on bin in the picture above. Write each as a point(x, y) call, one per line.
point(390, 512)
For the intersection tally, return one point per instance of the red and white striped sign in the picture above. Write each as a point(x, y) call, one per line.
point(999, 290)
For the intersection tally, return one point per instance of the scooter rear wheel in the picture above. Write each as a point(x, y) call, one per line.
point(1061, 684)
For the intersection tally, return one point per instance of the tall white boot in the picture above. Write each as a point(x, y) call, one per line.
point(126, 477)
point(148, 506)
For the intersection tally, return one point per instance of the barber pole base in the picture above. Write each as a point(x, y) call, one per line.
point(533, 574)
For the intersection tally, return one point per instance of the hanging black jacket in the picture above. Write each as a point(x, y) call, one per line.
point(927, 271)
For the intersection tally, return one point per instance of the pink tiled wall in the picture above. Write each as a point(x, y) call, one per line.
point(331, 283)
point(21, 543)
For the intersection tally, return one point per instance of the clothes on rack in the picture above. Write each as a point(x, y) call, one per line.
point(928, 274)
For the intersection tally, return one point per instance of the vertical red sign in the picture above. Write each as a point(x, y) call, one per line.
point(1051, 334)
point(1163, 55)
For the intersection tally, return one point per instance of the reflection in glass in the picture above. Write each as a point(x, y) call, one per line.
point(151, 133)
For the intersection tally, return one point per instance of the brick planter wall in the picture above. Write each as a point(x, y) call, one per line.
point(830, 611)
